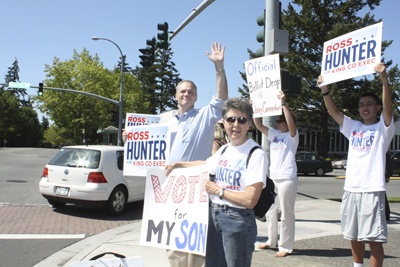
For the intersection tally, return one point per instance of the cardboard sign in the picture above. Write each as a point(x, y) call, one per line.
point(175, 214)
point(117, 262)
point(351, 55)
point(146, 147)
point(264, 82)
point(136, 119)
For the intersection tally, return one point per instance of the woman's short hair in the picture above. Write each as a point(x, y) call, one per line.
point(240, 104)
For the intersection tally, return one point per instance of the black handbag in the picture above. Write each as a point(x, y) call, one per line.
point(267, 198)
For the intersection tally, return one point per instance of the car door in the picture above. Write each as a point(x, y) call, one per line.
point(136, 184)
point(396, 162)
point(301, 166)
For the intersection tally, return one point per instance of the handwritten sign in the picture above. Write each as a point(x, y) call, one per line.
point(264, 82)
point(351, 55)
point(175, 214)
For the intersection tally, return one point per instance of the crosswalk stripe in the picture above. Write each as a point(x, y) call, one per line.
point(42, 236)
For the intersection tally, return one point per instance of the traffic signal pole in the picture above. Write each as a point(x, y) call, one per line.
point(78, 92)
point(196, 11)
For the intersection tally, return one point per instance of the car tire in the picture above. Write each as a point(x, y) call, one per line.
point(320, 172)
point(117, 202)
point(56, 204)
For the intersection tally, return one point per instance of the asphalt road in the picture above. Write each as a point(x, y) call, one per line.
point(24, 212)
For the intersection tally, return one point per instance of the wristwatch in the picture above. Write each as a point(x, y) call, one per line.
point(221, 193)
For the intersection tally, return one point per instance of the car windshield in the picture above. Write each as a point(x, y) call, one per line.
point(79, 158)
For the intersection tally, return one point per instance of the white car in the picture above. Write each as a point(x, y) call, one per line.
point(90, 175)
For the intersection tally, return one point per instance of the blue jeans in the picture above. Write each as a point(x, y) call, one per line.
point(231, 236)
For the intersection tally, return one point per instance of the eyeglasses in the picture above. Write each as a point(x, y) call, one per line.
point(241, 120)
point(279, 121)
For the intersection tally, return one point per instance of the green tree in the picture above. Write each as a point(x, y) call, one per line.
point(13, 76)
point(167, 80)
point(159, 80)
point(71, 112)
point(19, 125)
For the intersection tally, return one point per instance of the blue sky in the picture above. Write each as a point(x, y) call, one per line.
point(35, 32)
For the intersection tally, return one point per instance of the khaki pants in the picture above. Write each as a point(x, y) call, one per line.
point(183, 259)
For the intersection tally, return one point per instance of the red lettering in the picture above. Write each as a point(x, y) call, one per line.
point(180, 188)
point(339, 45)
point(159, 163)
point(222, 163)
point(138, 135)
point(136, 119)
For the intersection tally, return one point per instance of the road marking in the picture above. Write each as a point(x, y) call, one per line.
point(38, 236)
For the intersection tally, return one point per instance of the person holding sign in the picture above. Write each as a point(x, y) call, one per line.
point(283, 171)
point(363, 217)
point(235, 190)
point(191, 133)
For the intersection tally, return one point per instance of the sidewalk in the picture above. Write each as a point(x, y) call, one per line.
point(318, 241)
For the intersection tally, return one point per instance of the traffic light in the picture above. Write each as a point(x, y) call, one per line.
point(147, 56)
point(291, 85)
point(40, 91)
point(163, 36)
point(261, 35)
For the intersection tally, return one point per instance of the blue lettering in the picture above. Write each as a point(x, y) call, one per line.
point(195, 240)
point(357, 52)
point(146, 150)
point(258, 66)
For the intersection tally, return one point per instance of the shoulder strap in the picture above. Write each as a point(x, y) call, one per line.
point(223, 150)
point(248, 157)
point(251, 152)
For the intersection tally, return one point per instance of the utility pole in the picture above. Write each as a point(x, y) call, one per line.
point(271, 21)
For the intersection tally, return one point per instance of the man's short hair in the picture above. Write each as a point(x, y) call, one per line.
point(374, 96)
point(187, 81)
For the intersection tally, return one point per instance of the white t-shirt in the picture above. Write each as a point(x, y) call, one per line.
point(231, 172)
point(283, 154)
point(366, 159)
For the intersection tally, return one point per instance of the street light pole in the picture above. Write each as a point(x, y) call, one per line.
point(121, 80)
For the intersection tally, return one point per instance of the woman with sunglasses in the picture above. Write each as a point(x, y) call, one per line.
point(237, 186)
point(283, 171)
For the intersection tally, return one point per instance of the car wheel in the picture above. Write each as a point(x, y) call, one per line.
point(320, 172)
point(56, 204)
point(117, 201)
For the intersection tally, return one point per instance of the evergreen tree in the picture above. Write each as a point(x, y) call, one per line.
point(167, 80)
point(19, 125)
point(13, 76)
point(159, 78)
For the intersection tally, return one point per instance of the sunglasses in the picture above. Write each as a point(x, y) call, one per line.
point(241, 120)
point(279, 121)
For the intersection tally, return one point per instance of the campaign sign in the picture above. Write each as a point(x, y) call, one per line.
point(175, 213)
point(351, 55)
point(264, 81)
point(145, 147)
point(136, 119)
